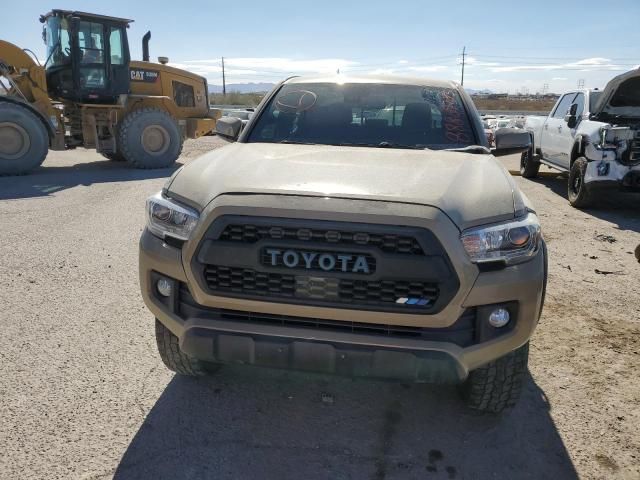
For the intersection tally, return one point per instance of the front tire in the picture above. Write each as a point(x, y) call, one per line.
point(578, 192)
point(114, 156)
point(149, 138)
point(175, 359)
point(497, 385)
point(529, 166)
point(24, 140)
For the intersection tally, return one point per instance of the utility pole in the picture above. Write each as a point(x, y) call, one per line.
point(224, 82)
point(581, 83)
point(464, 51)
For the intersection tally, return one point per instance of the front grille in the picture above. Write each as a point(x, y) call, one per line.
point(388, 243)
point(462, 332)
point(238, 280)
point(632, 156)
point(386, 268)
point(333, 290)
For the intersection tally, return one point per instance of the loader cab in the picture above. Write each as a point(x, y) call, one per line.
point(87, 56)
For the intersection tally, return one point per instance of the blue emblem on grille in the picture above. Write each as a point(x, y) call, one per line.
point(414, 301)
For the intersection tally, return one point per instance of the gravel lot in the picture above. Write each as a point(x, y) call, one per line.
point(83, 393)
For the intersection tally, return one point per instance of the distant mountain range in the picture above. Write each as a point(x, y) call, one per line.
point(242, 87)
point(473, 91)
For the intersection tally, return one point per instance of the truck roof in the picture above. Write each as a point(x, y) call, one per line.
point(387, 79)
point(75, 13)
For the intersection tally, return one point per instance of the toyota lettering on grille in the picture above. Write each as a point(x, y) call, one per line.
point(310, 260)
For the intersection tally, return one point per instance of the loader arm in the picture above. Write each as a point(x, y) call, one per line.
point(24, 80)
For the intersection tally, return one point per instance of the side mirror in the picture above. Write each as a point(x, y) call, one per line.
point(570, 118)
point(229, 128)
point(511, 140)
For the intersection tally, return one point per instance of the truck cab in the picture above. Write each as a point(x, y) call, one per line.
point(592, 134)
point(558, 135)
point(87, 56)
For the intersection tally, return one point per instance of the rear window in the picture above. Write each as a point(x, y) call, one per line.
point(365, 115)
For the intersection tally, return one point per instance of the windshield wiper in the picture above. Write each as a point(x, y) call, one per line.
point(469, 149)
point(293, 142)
point(383, 144)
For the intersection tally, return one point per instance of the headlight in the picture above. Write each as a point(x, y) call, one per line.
point(512, 242)
point(168, 218)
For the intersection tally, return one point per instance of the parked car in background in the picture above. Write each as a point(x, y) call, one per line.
point(503, 123)
point(592, 134)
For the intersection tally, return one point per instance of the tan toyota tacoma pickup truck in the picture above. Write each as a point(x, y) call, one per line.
point(356, 226)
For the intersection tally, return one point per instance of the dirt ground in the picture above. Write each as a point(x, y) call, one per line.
point(83, 393)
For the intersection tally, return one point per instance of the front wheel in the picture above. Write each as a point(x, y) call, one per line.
point(24, 140)
point(114, 156)
point(579, 192)
point(529, 166)
point(175, 359)
point(149, 138)
point(497, 385)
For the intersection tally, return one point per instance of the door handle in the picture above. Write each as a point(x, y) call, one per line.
point(546, 126)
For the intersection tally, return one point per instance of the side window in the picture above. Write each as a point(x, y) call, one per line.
point(115, 41)
point(580, 101)
point(564, 105)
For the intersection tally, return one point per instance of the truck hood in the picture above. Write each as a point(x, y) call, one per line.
point(472, 189)
point(621, 96)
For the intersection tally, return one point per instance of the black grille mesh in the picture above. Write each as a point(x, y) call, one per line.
point(389, 243)
point(353, 292)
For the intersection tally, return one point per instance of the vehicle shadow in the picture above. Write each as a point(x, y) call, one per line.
point(254, 423)
point(48, 180)
point(619, 208)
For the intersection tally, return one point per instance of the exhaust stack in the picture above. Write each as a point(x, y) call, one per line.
point(145, 46)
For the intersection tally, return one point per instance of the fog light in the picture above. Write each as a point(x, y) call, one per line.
point(499, 317)
point(164, 287)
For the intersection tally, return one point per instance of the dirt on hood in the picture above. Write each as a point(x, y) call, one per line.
point(472, 189)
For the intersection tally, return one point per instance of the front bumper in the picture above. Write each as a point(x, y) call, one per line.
point(612, 175)
point(207, 331)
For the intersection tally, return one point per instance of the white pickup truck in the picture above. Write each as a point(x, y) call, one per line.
point(592, 134)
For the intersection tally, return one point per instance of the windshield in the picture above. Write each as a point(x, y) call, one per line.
point(593, 100)
point(365, 115)
point(57, 40)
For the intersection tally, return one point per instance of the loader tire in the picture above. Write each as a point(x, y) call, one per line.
point(114, 157)
point(24, 140)
point(149, 138)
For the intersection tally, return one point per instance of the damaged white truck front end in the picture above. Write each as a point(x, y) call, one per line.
point(592, 134)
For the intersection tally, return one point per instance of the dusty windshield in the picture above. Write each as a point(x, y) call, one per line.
point(365, 115)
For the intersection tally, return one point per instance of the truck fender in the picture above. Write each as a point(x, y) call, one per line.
point(45, 121)
point(578, 148)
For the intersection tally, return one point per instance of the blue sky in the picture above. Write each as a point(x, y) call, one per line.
point(512, 46)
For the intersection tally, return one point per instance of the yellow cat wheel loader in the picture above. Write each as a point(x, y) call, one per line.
point(89, 93)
